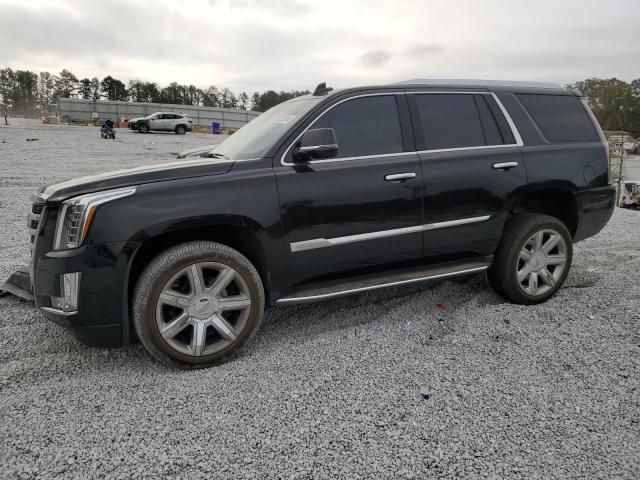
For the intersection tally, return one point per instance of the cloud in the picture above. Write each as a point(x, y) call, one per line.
point(280, 7)
point(376, 58)
point(294, 44)
point(424, 49)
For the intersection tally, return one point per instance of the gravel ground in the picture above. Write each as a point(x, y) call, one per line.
point(379, 385)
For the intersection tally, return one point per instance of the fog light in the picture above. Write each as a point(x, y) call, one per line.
point(69, 288)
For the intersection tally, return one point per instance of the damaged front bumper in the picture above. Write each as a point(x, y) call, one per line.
point(18, 284)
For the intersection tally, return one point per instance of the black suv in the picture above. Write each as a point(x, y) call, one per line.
point(325, 195)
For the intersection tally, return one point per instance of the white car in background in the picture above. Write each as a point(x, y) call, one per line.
point(166, 122)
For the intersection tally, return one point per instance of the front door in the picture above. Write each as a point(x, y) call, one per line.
point(361, 209)
point(472, 165)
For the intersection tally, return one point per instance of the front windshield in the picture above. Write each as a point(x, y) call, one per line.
point(256, 138)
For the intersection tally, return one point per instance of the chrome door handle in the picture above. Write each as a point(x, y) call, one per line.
point(504, 165)
point(399, 177)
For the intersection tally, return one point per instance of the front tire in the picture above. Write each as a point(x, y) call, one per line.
point(197, 304)
point(532, 260)
point(143, 128)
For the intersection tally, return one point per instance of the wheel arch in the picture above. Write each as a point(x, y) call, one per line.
point(240, 234)
point(556, 201)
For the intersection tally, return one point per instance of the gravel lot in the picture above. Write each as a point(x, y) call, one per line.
point(379, 385)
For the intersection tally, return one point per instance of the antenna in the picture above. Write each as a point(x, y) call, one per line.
point(321, 89)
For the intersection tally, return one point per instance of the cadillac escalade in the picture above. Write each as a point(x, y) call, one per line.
point(328, 194)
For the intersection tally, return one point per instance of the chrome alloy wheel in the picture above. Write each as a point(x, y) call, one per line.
point(541, 262)
point(203, 308)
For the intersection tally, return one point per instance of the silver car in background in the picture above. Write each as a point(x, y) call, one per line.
point(166, 122)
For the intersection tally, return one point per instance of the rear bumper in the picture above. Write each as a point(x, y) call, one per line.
point(101, 318)
point(595, 207)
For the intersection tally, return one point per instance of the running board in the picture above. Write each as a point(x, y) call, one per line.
point(386, 279)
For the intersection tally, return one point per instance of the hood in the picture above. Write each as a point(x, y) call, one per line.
point(197, 151)
point(134, 176)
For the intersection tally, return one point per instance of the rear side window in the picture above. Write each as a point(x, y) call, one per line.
point(364, 126)
point(560, 118)
point(492, 133)
point(450, 121)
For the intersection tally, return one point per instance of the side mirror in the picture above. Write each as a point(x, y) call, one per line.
point(318, 143)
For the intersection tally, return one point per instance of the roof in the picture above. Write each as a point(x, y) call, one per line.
point(509, 86)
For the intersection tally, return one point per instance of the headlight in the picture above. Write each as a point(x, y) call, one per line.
point(76, 215)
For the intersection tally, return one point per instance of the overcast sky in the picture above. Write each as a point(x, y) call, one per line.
point(295, 44)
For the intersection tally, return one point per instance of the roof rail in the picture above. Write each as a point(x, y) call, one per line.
point(468, 82)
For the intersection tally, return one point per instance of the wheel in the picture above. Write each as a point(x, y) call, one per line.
point(143, 128)
point(102, 135)
point(532, 260)
point(197, 304)
point(181, 130)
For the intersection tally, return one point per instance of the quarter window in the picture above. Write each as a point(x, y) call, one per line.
point(364, 126)
point(561, 118)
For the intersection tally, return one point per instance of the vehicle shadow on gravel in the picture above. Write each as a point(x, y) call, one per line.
point(435, 302)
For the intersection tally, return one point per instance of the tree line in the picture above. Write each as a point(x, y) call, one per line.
point(615, 103)
point(28, 93)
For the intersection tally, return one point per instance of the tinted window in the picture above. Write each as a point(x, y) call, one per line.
point(364, 126)
point(491, 131)
point(560, 118)
point(450, 121)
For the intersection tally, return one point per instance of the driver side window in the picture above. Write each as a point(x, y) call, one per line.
point(364, 126)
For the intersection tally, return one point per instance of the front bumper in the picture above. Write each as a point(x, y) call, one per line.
point(595, 207)
point(101, 318)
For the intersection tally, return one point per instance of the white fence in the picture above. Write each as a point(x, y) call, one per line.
point(77, 109)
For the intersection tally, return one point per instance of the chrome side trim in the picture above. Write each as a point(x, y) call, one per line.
point(512, 126)
point(345, 159)
point(462, 149)
point(455, 223)
point(332, 242)
point(294, 300)
point(55, 311)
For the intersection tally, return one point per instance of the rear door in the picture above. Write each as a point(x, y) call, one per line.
point(168, 120)
point(350, 212)
point(472, 164)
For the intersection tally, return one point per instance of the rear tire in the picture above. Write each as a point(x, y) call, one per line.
point(532, 260)
point(197, 304)
point(181, 130)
